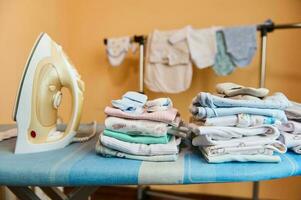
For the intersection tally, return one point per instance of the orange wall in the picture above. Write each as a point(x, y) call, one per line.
point(80, 26)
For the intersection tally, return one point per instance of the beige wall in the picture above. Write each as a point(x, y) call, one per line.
point(80, 26)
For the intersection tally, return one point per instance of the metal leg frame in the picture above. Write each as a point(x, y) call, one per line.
point(25, 193)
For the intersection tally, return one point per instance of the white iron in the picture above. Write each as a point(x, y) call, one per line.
point(47, 70)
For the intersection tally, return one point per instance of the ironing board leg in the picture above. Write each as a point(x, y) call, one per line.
point(54, 193)
point(23, 193)
point(82, 193)
point(255, 195)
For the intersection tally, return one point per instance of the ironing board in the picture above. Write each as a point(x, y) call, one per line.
point(77, 165)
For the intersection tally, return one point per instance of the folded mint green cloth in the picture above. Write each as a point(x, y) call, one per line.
point(137, 138)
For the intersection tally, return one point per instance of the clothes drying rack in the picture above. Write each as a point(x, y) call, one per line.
point(267, 27)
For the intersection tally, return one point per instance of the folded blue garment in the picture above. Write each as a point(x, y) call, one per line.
point(206, 112)
point(276, 101)
point(132, 102)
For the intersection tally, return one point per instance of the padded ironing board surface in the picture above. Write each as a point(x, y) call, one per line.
point(78, 165)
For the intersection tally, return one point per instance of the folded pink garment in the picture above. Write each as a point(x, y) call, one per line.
point(169, 116)
point(291, 127)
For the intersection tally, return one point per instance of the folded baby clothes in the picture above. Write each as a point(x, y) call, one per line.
point(241, 44)
point(276, 101)
point(206, 112)
point(107, 152)
point(131, 102)
point(137, 138)
point(164, 58)
point(141, 149)
point(240, 120)
point(232, 89)
point(117, 48)
point(237, 125)
point(160, 104)
point(169, 116)
point(201, 43)
point(152, 135)
point(137, 127)
point(223, 64)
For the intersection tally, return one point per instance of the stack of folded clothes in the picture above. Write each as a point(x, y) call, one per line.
point(238, 124)
point(291, 130)
point(142, 130)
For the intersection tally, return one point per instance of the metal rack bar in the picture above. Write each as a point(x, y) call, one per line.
point(265, 28)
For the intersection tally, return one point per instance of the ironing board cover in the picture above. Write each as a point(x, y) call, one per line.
point(78, 165)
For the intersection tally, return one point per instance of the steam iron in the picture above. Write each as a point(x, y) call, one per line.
point(47, 70)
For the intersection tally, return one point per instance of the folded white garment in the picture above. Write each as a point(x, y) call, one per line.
point(159, 104)
point(297, 149)
point(141, 149)
point(227, 133)
point(267, 149)
point(240, 120)
point(290, 127)
point(232, 89)
point(107, 152)
point(294, 111)
point(137, 127)
point(290, 140)
point(241, 158)
point(204, 140)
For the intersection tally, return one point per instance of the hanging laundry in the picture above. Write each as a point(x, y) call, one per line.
point(117, 49)
point(223, 65)
point(167, 67)
point(241, 44)
point(201, 43)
